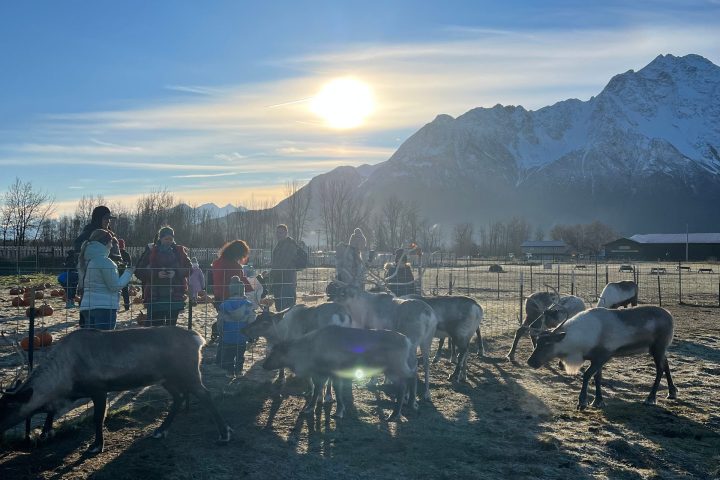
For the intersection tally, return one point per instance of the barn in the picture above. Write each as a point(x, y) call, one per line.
point(544, 249)
point(666, 247)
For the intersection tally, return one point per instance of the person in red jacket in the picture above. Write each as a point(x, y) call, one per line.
point(164, 272)
point(233, 255)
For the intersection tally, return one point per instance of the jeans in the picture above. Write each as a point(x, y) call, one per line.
point(231, 357)
point(70, 283)
point(101, 318)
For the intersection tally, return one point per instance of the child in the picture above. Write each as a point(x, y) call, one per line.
point(234, 314)
point(196, 280)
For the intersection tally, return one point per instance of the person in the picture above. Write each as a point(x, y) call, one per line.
point(68, 278)
point(164, 272)
point(125, 261)
point(99, 219)
point(349, 265)
point(100, 281)
point(229, 264)
point(234, 313)
point(283, 273)
point(403, 282)
point(197, 279)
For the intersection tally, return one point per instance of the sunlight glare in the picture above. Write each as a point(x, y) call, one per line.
point(344, 103)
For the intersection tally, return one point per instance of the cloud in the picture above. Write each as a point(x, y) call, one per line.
point(206, 175)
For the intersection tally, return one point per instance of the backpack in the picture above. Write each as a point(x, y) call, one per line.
point(301, 258)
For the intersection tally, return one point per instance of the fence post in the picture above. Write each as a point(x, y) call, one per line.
point(498, 285)
point(190, 312)
point(531, 278)
point(596, 274)
point(31, 352)
point(572, 283)
point(680, 283)
point(521, 298)
point(467, 275)
point(450, 284)
point(558, 278)
point(607, 274)
point(659, 291)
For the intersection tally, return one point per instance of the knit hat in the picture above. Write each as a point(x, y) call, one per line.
point(194, 262)
point(236, 287)
point(358, 240)
point(165, 231)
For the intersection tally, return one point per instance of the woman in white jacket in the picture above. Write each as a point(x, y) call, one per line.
point(100, 282)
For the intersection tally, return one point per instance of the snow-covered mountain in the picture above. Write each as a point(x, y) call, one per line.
point(642, 156)
point(214, 211)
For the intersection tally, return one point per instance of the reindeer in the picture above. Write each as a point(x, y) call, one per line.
point(619, 294)
point(459, 318)
point(545, 310)
point(413, 318)
point(295, 322)
point(90, 363)
point(599, 334)
point(340, 353)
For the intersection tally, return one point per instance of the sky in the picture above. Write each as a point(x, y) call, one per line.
point(218, 101)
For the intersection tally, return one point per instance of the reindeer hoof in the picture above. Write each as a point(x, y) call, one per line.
point(95, 449)
point(45, 436)
point(582, 406)
point(394, 417)
point(225, 437)
point(650, 401)
point(598, 404)
point(672, 395)
point(160, 434)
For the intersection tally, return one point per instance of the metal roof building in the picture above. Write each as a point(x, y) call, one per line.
point(666, 247)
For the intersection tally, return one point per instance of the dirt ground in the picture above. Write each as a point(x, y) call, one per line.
point(507, 421)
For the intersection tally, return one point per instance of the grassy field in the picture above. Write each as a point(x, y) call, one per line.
point(507, 421)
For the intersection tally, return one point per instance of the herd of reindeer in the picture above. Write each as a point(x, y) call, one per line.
point(355, 331)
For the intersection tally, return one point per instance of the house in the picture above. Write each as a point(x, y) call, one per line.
point(544, 249)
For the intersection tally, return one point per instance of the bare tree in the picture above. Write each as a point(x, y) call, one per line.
point(296, 207)
point(463, 244)
point(28, 209)
point(85, 206)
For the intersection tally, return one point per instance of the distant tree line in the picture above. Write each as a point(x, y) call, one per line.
point(25, 217)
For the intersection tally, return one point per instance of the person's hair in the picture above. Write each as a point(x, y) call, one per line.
point(99, 235)
point(283, 226)
point(98, 214)
point(234, 250)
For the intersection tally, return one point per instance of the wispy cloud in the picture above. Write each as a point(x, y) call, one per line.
point(206, 175)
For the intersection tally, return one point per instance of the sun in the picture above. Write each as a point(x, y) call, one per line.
point(344, 103)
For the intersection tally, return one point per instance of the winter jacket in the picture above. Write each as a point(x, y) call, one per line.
point(167, 291)
point(404, 276)
point(282, 264)
point(222, 271)
point(100, 280)
point(233, 315)
point(196, 281)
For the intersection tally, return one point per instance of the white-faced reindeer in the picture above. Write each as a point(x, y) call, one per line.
point(619, 294)
point(413, 318)
point(543, 311)
point(599, 334)
point(90, 363)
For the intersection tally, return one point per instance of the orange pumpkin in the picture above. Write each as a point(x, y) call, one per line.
point(17, 302)
point(46, 310)
point(39, 294)
point(45, 338)
point(16, 291)
point(32, 311)
point(25, 342)
point(24, 302)
point(24, 280)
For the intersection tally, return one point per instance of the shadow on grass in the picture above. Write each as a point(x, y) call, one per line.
point(686, 447)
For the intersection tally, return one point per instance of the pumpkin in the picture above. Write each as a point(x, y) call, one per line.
point(45, 310)
point(32, 311)
point(24, 280)
point(24, 302)
point(16, 291)
point(45, 338)
point(25, 342)
point(39, 295)
point(48, 285)
point(17, 302)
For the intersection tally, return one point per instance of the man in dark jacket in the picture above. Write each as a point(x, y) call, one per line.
point(283, 273)
point(100, 218)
